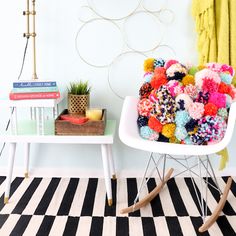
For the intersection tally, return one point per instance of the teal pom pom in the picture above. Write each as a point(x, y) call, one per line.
point(222, 112)
point(226, 78)
point(148, 77)
point(147, 133)
point(180, 133)
point(188, 141)
point(182, 118)
point(228, 100)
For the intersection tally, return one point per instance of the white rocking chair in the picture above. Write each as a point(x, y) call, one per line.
point(129, 135)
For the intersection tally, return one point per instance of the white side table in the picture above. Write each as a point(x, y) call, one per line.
point(26, 134)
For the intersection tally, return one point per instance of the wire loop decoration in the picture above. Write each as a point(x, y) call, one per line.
point(162, 16)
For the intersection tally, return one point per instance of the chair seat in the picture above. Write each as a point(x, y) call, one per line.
point(129, 134)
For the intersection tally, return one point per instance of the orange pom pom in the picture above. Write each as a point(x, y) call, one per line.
point(158, 80)
point(224, 88)
point(159, 70)
point(210, 109)
point(155, 124)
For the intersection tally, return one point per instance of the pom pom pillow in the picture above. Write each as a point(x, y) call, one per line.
point(183, 104)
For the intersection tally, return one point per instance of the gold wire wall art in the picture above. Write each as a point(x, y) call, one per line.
point(107, 38)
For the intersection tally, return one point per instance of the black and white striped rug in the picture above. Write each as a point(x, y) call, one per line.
point(73, 206)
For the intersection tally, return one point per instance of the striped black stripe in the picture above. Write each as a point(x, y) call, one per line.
point(71, 226)
point(3, 218)
point(228, 210)
point(122, 226)
point(132, 192)
point(46, 226)
point(197, 223)
point(111, 210)
point(233, 186)
point(225, 226)
point(87, 209)
point(148, 226)
point(176, 198)
point(174, 226)
point(15, 184)
point(96, 226)
point(21, 225)
point(193, 194)
point(26, 196)
point(47, 197)
point(67, 200)
point(156, 206)
point(2, 179)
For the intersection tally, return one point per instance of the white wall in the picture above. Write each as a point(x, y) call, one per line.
point(57, 59)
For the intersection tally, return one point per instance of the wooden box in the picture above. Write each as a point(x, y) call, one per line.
point(64, 127)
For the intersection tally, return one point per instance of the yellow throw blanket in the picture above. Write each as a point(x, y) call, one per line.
point(216, 28)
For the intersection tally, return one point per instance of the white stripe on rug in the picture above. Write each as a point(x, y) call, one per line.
point(166, 202)
point(2, 187)
point(57, 197)
point(14, 199)
point(187, 197)
point(161, 226)
point(121, 196)
point(214, 229)
point(232, 221)
point(99, 201)
point(135, 226)
point(33, 225)
point(186, 226)
point(36, 197)
point(84, 226)
point(9, 225)
point(147, 210)
point(109, 226)
point(58, 226)
point(77, 204)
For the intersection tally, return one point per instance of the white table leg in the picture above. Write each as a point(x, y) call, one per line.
point(105, 162)
point(111, 161)
point(38, 120)
point(27, 155)
point(12, 151)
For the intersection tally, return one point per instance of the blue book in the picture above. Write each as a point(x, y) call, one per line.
point(29, 84)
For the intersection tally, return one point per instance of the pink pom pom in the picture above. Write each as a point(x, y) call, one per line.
point(218, 99)
point(227, 68)
point(209, 85)
point(191, 90)
point(171, 85)
point(196, 110)
point(206, 74)
point(170, 63)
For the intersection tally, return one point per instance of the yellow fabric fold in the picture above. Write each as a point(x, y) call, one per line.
point(216, 28)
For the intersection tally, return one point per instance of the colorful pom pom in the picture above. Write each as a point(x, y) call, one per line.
point(183, 101)
point(193, 70)
point(159, 62)
point(163, 138)
point(159, 70)
point(148, 65)
point(155, 124)
point(209, 85)
point(144, 107)
point(176, 72)
point(190, 126)
point(168, 130)
point(191, 90)
point(226, 78)
point(145, 90)
point(170, 63)
point(181, 133)
point(223, 113)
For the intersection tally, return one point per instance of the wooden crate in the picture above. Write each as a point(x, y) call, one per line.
point(63, 127)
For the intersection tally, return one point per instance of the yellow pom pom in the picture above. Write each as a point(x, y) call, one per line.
point(168, 130)
point(149, 65)
point(188, 79)
point(174, 140)
point(200, 67)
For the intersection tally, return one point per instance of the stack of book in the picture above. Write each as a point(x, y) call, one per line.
point(34, 90)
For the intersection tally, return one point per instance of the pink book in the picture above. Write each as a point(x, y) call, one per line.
point(40, 95)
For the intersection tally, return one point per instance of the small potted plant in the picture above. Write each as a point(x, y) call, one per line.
point(78, 97)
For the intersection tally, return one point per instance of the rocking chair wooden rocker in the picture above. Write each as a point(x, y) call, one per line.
point(129, 135)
